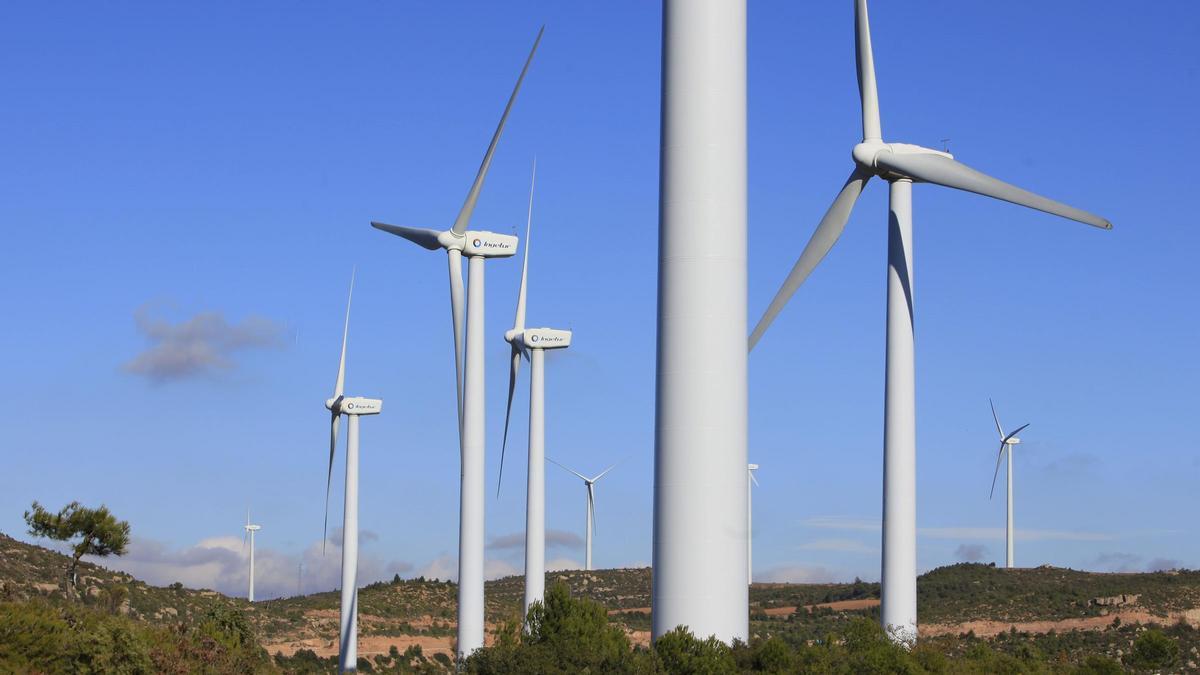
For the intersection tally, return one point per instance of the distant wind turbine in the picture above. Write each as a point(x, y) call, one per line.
point(900, 164)
point(352, 407)
point(1006, 443)
point(478, 246)
point(750, 469)
point(590, 483)
point(250, 530)
point(533, 343)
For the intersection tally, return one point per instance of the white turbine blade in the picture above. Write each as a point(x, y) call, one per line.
point(941, 170)
point(333, 433)
point(823, 239)
point(999, 429)
point(457, 308)
point(519, 319)
point(464, 216)
point(999, 455)
point(753, 479)
point(866, 73)
point(512, 386)
point(421, 236)
point(583, 477)
point(341, 376)
point(1010, 436)
point(601, 474)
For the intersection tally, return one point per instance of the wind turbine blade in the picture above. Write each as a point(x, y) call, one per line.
point(512, 386)
point(941, 170)
point(1019, 430)
point(421, 236)
point(464, 216)
point(564, 466)
point(823, 239)
point(866, 73)
point(601, 474)
point(753, 479)
point(457, 308)
point(333, 433)
point(999, 455)
point(519, 320)
point(341, 376)
point(999, 429)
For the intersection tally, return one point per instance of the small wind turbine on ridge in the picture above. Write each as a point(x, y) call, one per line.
point(1006, 443)
point(590, 483)
point(249, 533)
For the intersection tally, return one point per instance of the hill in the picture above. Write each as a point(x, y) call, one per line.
point(1057, 611)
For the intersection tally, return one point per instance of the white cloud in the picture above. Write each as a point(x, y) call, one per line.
point(560, 564)
point(443, 567)
point(201, 345)
point(223, 564)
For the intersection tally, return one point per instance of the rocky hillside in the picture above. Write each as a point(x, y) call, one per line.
point(418, 616)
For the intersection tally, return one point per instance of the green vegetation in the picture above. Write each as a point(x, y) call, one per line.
point(94, 531)
point(595, 621)
point(69, 638)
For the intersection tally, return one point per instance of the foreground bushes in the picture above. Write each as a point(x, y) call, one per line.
point(40, 637)
point(568, 635)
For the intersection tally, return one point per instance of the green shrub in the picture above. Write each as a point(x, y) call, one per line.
point(1153, 650)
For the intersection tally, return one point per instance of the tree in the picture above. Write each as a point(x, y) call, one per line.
point(94, 531)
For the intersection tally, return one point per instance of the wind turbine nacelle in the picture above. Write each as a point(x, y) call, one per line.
point(253, 528)
point(1013, 441)
point(866, 154)
point(361, 406)
point(489, 245)
point(546, 338)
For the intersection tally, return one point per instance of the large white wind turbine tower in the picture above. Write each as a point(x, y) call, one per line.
point(750, 469)
point(1006, 443)
point(901, 165)
point(351, 407)
point(590, 484)
point(249, 534)
point(700, 420)
point(533, 343)
point(478, 246)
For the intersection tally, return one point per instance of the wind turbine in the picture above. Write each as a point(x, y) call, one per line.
point(901, 165)
point(532, 342)
point(478, 246)
point(250, 530)
point(352, 408)
point(750, 469)
point(590, 483)
point(1006, 443)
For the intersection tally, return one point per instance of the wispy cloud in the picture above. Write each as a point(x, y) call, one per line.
point(840, 545)
point(971, 552)
point(202, 345)
point(1119, 561)
point(554, 538)
point(796, 574)
point(855, 524)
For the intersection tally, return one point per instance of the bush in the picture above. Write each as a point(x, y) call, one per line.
point(678, 651)
point(1153, 650)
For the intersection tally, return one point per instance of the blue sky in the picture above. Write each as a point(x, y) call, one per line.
point(213, 169)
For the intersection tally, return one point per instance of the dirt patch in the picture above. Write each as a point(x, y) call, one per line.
point(994, 628)
point(837, 606)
